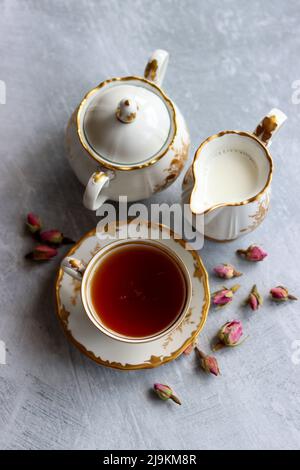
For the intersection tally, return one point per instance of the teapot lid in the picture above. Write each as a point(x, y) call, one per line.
point(126, 123)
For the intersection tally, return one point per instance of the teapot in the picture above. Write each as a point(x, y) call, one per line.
point(127, 138)
point(228, 185)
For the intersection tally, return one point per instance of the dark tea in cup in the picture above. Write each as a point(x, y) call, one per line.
point(138, 289)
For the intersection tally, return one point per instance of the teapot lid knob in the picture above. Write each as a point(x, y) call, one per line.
point(127, 110)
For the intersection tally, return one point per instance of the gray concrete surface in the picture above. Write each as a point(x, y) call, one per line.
point(231, 61)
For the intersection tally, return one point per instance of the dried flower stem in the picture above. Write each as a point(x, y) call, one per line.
point(175, 399)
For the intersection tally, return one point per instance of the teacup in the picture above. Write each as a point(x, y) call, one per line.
point(229, 182)
point(133, 290)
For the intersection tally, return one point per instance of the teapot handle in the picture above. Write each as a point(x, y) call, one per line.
point(156, 67)
point(92, 198)
point(269, 125)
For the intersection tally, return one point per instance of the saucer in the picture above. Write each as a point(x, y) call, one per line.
point(120, 355)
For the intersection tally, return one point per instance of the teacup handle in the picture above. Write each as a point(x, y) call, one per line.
point(269, 125)
point(92, 198)
point(156, 67)
point(74, 267)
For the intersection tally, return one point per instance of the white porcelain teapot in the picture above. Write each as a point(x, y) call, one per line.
point(127, 137)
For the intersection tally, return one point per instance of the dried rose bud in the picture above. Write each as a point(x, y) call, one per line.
point(33, 223)
point(189, 349)
point(54, 237)
point(254, 299)
point(51, 236)
point(42, 253)
point(281, 294)
point(208, 363)
point(253, 253)
point(224, 296)
point(226, 271)
point(229, 334)
point(165, 392)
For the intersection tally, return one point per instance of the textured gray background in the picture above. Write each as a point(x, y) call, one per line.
point(231, 61)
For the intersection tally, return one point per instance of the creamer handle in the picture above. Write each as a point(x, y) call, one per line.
point(269, 125)
point(156, 67)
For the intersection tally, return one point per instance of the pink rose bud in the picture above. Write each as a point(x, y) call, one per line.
point(189, 349)
point(224, 296)
point(208, 363)
point(51, 236)
point(33, 223)
point(281, 294)
point(229, 335)
point(165, 393)
point(54, 237)
point(254, 299)
point(226, 271)
point(253, 253)
point(42, 253)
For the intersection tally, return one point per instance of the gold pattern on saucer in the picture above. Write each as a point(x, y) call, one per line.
point(175, 168)
point(111, 229)
point(197, 271)
point(186, 321)
point(259, 215)
point(95, 250)
point(64, 315)
point(76, 291)
point(154, 361)
point(266, 128)
point(151, 69)
point(230, 204)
